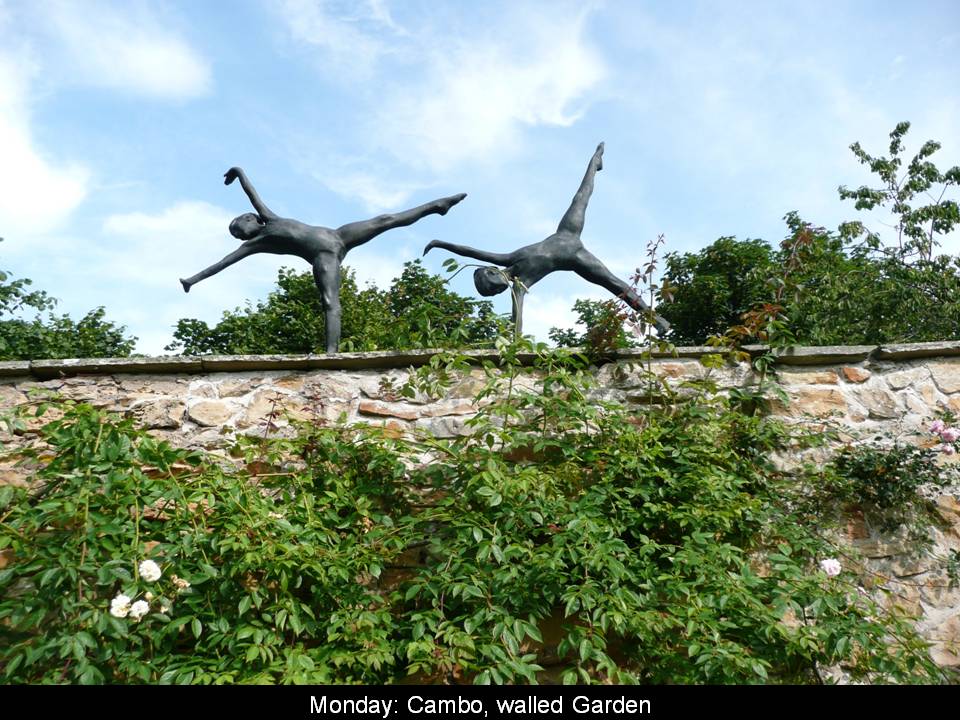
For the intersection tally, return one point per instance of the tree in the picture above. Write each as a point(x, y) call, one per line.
point(850, 286)
point(603, 322)
point(55, 336)
point(714, 287)
point(417, 311)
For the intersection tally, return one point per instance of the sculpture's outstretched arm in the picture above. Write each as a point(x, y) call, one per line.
point(237, 255)
point(502, 259)
point(235, 173)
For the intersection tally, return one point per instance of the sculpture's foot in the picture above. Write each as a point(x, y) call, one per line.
point(186, 285)
point(449, 202)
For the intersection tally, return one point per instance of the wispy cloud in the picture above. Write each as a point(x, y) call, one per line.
point(37, 194)
point(349, 36)
point(449, 98)
point(124, 47)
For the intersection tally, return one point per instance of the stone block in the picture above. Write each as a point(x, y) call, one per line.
point(946, 375)
point(383, 409)
point(907, 351)
point(211, 413)
point(880, 404)
point(443, 408)
point(165, 413)
point(807, 377)
point(855, 374)
point(907, 378)
point(817, 402)
point(152, 385)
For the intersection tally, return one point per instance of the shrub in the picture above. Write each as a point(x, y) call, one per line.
point(562, 538)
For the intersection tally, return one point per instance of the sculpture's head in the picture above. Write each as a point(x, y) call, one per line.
point(490, 281)
point(244, 227)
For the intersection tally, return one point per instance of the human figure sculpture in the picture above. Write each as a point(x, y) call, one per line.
point(324, 248)
point(561, 251)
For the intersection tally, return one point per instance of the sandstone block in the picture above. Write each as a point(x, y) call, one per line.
point(212, 413)
point(444, 427)
point(269, 402)
point(442, 408)
point(855, 374)
point(905, 378)
point(17, 477)
point(10, 396)
point(807, 377)
point(153, 385)
point(946, 375)
point(203, 390)
point(238, 387)
point(880, 404)
point(383, 409)
point(166, 413)
point(817, 402)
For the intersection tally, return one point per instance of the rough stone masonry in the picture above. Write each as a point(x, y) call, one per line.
point(205, 402)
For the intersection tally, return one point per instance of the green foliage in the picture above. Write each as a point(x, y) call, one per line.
point(715, 287)
point(918, 226)
point(417, 311)
point(603, 322)
point(884, 481)
point(55, 336)
point(847, 287)
point(561, 538)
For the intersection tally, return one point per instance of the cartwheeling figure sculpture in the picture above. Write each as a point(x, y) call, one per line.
point(561, 251)
point(324, 248)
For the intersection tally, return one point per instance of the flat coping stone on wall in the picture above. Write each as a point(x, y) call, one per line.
point(49, 369)
point(14, 368)
point(388, 359)
point(907, 351)
point(824, 355)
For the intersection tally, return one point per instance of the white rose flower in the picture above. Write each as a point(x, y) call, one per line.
point(120, 606)
point(831, 566)
point(139, 609)
point(150, 571)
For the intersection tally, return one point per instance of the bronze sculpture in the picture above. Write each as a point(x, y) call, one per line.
point(324, 248)
point(561, 251)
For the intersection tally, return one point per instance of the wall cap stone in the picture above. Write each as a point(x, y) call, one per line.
point(385, 359)
point(909, 351)
point(14, 368)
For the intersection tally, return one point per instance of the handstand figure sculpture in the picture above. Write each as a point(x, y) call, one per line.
point(324, 248)
point(561, 251)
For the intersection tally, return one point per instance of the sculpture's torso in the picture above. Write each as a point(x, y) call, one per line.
point(557, 252)
point(283, 236)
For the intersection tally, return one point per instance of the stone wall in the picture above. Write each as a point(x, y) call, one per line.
point(204, 402)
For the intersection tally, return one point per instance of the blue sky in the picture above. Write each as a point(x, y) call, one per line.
point(118, 120)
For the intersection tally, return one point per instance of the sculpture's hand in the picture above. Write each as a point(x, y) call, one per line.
point(430, 246)
point(230, 175)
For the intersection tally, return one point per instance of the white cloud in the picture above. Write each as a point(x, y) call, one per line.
point(36, 194)
point(478, 93)
point(347, 34)
point(447, 97)
point(368, 187)
point(156, 249)
point(130, 50)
